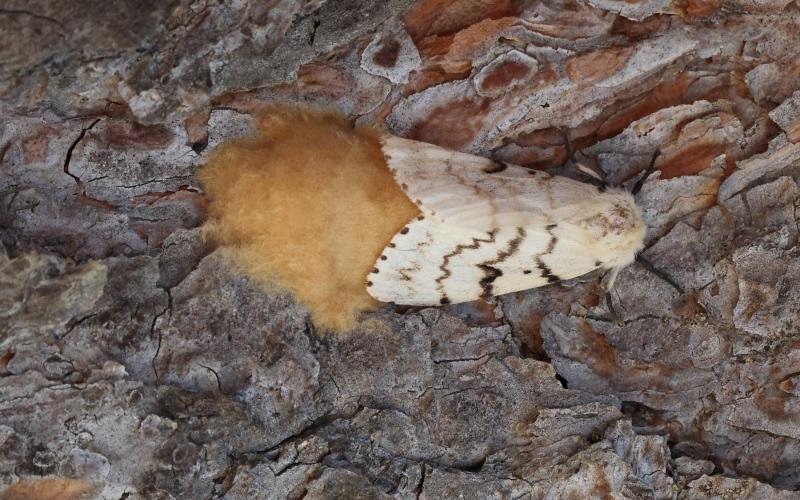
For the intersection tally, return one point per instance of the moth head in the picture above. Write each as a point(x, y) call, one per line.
point(617, 231)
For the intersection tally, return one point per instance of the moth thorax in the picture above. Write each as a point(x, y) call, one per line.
point(619, 230)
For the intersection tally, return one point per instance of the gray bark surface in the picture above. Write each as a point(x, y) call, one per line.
point(136, 362)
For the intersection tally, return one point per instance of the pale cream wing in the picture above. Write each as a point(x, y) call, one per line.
point(475, 192)
point(430, 262)
point(489, 229)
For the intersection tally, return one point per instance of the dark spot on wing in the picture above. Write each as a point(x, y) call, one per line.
point(476, 243)
point(404, 230)
point(489, 275)
point(375, 270)
point(551, 245)
point(547, 273)
point(369, 283)
point(526, 271)
point(495, 167)
point(444, 300)
point(490, 272)
point(392, 245)
point(597, 263)
point(421, 217)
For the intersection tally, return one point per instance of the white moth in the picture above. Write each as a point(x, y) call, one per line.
point(489, 228)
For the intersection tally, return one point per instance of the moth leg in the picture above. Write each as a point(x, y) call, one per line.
point(608, 286)
point(610, 306)
point(638, 186)
point(612, 279)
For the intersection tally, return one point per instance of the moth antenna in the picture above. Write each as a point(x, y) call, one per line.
point(638, 186)
point(589, 171)
point(650, 267)
point(567, 143)
point(572, 157)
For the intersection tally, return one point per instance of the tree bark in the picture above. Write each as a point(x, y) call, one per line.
point(136, 363)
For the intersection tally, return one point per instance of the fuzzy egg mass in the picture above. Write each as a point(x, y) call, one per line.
point(308, 204)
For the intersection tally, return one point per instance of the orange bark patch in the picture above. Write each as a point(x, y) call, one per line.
point(639, 30)
point(387, 54)
point(324, 79)
point(5, 358)
point(94, 202)
point(477, 313)
point(34, 149)
point(48, 489)
point(445, 17)
point(472, 41)
point(690, 159)
point(503, 75)
point(664, 95)
point(601, 357)
point(435, 75)
point(529, 332)
point(539, 149)
point(788, 385)
point(258, 100)
point(308, 204)
point(125, 135)
point(688, 305)
point(182, 193)
point(196, 126)
point(543, 138)
point(695, 146)
point(794, 133)
point(434, 45)
point(537, 158)
point(598, 64)
point(688, 9)
point(453, 124)
point(773, 403)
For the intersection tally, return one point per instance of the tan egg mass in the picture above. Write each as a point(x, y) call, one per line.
point(307, 204)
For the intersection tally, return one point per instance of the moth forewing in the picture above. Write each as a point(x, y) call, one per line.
point(489, 228)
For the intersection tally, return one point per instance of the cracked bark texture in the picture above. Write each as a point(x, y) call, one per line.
point(134, 363)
